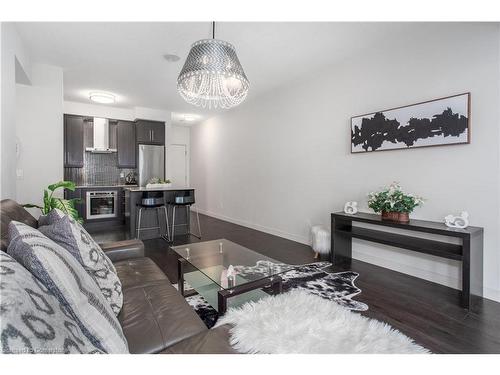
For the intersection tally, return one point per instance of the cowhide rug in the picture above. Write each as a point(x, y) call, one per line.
point(312, 278)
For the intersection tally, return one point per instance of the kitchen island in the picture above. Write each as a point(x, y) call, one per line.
point(133, 198)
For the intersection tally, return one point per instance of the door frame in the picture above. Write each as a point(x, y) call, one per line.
point(186, 168)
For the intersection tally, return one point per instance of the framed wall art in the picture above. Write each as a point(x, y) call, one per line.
point(443, 121)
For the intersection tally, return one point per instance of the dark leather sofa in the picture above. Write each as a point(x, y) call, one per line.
point(155, 318)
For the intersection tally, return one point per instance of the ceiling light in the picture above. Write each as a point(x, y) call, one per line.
point(189, 118)
point(171, 57)
point(102, 97)
point(212, 76)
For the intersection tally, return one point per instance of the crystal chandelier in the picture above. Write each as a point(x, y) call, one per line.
point(212, 76)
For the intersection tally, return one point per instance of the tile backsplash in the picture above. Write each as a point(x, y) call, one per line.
point(98, 169)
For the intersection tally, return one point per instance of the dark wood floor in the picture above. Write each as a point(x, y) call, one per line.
point(427, 312)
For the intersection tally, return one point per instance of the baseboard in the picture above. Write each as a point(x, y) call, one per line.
point(261, 228)
point(490, 293)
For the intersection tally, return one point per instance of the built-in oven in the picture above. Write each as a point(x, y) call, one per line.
point(101, 204)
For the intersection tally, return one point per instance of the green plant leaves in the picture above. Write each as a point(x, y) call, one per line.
point(46, 202)
point(70, 185)
point(393, 199)
point(65, 205)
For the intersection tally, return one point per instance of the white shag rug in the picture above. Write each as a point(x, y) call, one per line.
point(298, 322)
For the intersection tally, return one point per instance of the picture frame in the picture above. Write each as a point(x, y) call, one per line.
point(436, 122)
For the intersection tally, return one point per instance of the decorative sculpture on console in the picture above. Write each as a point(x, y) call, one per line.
point(460, 222)
point(351, 208)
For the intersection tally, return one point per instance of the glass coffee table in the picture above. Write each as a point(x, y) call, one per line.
point(204, 266)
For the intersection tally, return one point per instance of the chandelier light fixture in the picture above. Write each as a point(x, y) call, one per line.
point(212, 76)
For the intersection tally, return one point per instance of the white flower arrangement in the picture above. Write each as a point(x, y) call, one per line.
point(393, 199)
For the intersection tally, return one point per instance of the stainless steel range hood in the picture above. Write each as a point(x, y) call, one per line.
point(101, 137)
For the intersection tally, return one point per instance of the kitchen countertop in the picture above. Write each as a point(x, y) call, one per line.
point(170, 188)
point(104, 186)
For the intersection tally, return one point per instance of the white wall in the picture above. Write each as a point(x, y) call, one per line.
point(282, 161)
point(39, 128)
point(98, 110)
point(12, 50)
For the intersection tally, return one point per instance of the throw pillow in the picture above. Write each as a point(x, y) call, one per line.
point(32, 320)
point(68, 233)
point(66, 279)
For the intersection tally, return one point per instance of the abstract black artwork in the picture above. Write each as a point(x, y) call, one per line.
point(436, 122)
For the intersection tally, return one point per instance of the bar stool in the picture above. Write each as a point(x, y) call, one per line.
point(156, 203)
point(185, 199)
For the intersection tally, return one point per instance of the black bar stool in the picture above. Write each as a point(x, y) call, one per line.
point(184, 199)
point(150, 201)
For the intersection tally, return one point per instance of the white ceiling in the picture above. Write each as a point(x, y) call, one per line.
point(127, 58)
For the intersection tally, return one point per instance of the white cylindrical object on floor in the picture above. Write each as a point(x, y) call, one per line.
point(321, 238)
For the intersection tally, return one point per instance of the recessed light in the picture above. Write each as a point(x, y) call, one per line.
point(102, 97)
point(171, 57)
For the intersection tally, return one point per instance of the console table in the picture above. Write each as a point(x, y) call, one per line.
point(469, 252)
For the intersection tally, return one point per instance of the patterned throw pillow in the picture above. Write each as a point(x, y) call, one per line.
point(66, 279)
point(32, 319)
point(66, 232)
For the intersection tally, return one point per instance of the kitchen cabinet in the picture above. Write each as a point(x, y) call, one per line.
point(126, 144)
point(73, 141)
point(150, 132)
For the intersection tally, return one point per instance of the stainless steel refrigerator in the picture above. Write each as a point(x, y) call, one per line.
point(151, 163)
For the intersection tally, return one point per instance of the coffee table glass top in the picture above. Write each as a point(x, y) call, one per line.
point(213, 258)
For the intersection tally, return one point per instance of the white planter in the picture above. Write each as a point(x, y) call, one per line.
point(158, 186)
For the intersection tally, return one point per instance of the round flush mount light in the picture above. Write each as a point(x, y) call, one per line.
point(189, 118)
point(102, 97)
point(171, 57)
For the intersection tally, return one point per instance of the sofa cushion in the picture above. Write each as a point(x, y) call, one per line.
point(138, 272)
point(212, 341)
point(66, 279)
point(156, 316)
point(31, 319)
point(11, 210)
point(70, 235)
point(122, 250)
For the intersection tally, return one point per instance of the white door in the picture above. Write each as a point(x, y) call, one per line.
point(178, 164)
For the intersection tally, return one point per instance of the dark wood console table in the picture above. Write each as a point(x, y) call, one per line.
point(469, 251)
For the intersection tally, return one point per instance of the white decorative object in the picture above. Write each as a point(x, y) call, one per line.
point(351, 208)
point(158, 186)
point(298, 322)
point(320, 240)
point(231, 272)
point(228, 277)
point(461, 221)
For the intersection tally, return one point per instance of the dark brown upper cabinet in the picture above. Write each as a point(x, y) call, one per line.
point(73, 141)
point(150, 132)
point(126, 143)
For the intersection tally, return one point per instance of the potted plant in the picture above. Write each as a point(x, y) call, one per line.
point(65, 205)
point(393, 203)
point(158, 183)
